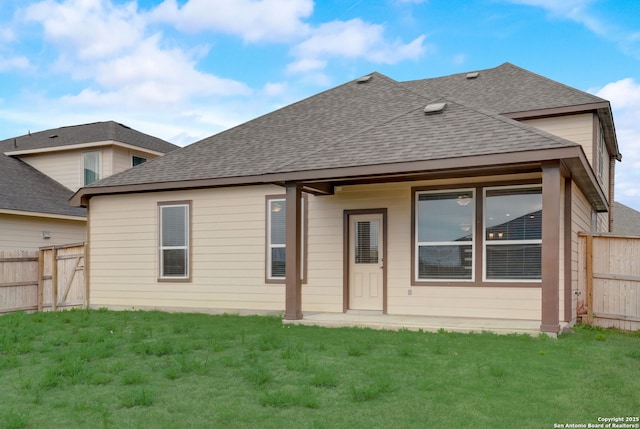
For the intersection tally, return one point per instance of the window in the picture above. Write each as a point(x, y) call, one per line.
point(513, 233)
point(137, 160)
point(276, 267)
point(444, 235)
point(366, 242)
point(91, 167)
point(601, 153)
point(174, 240)
point(477, 236)
point(276, 239)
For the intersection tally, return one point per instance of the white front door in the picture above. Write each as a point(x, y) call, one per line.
point(366, 281)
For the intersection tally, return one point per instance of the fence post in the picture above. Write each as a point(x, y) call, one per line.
point(589, 278)
point(40, 279)
point(54, 279)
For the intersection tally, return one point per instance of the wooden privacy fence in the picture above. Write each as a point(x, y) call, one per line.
point(45, 279)
point(610, 280)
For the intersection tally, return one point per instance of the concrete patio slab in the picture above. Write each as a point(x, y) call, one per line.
point(377, 320)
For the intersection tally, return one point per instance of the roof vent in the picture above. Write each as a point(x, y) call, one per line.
point(53, 136)
point(364, 79)
point(472, 75)
point(434, 108)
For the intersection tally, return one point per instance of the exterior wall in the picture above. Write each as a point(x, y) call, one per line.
point(122, 158)
point(583, 129)
point(67, 166)
point(64, 167)
point(580, 222)
point(227, 252)
point(25, 232)
point(576, 128)
point(228, 255)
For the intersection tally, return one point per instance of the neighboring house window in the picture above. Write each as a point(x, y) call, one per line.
point(91, 167)
point(513, 233)
point(444, 235)
point(276, 239)
point(174, 240)
point(137, 160)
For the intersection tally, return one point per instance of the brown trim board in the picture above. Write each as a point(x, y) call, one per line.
point(428, 168)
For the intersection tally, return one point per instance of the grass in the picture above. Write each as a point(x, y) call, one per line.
point(104, 369)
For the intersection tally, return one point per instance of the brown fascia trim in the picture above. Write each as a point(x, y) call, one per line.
point(401, 170)
point(557, 111)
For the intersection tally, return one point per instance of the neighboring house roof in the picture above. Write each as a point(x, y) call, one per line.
point(84, 134)
point(25, 189)
point(626, 221)
point(368, 126)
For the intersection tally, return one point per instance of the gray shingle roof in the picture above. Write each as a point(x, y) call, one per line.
point(355, 124)
point(24, 188)
point(626, 221)
point(505, 89)
point(86, 133)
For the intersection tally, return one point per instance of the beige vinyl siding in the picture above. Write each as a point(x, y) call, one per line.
point(64, 167)
point(580, 222)
point(227, 251)
point(25, 232)
point(228, 256)
point(67, 166)
point(122, 158)
point(576, 128)
point(325, 273)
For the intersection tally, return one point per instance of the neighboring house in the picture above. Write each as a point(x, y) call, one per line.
point(626, 220)
point(41, 170)
point(459, 196)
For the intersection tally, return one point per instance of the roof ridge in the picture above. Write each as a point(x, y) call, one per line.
point(335, 143)
point(555, 82)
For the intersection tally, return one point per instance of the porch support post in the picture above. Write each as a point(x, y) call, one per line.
point(551, 214)
point(293, 283)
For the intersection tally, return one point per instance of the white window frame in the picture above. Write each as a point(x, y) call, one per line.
point(418, 243)
point(186, 247)
point(270, 246)
point(486, 242)
point(98, 155)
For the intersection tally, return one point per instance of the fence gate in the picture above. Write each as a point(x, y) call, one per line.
point(45, 279)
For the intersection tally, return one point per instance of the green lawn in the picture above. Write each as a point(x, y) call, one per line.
point(103, 369)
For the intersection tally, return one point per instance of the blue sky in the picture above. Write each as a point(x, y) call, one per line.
point(184, 70)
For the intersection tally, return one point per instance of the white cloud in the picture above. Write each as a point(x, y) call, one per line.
point(107, 45)
point(624, 96)
point(352, 39)
point(252, 20)
point(88, 28)
point(575, 10)
point(14, 63)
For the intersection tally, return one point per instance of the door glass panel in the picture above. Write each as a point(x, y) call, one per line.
point(366, 241)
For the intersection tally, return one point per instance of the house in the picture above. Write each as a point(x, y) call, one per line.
point(41, 170)
point(626, 220)
point(460, 196)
